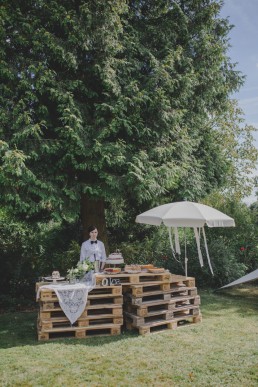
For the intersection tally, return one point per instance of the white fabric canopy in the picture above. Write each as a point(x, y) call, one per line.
point(246, 278)
point(185, 214)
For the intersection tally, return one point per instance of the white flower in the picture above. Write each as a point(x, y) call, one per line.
point(80, 269)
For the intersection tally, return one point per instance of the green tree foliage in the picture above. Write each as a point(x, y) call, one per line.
point(28, 252)
point(119, 100)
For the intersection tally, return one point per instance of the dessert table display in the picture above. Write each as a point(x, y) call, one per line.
point(141, 297)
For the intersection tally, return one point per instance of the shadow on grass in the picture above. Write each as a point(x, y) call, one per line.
point(20, 329)
point(242, 301)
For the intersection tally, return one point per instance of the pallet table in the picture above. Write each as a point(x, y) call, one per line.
point(146, 302)
point(102, 316)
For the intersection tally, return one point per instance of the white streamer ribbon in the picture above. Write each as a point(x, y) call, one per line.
point(171, 242)
point(197, 237)
point(207, 252)
point(177, 245)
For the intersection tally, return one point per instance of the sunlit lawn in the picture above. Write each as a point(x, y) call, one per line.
point(220, 351)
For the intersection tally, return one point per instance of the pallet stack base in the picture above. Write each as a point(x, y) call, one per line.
point(156, 306)
point(145, 302)
point(102, 316)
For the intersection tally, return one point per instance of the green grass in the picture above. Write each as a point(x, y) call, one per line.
point(220, 351)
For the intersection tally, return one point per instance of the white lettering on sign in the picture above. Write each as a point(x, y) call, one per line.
point(110, 281)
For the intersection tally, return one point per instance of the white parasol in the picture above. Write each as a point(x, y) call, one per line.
point(186, 214)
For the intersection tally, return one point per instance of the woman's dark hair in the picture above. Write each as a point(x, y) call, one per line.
point(91, 228)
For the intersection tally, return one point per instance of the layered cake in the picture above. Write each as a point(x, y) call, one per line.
point(55, 275)
point(115, 259)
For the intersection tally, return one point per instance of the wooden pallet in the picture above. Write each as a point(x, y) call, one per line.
point(140, 291)
point(173, 304)
point(137, 321)
point(106, 300)
point(188, 310)
point(63, 322)
point(90, 311)
point(178, 291)
point(48, 295)
point(161, 325)
point(185, 300)
point(99, 304)
point(79, 332)
point(180, 280)
point(127, 279)
point(144, 310)
point(151, 297)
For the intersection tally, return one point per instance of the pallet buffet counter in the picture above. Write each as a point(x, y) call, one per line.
point(145, 302)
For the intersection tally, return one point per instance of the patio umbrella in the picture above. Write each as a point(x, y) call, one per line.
point(186, 214)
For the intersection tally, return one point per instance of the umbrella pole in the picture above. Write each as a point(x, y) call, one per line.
point(186, 259)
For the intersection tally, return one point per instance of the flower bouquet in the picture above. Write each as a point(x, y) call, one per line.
point(77, 273)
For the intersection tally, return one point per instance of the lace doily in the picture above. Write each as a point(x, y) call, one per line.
point(73, 297)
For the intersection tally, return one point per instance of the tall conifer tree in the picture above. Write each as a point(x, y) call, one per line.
point(105, 100)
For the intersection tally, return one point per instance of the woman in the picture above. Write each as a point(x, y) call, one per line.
point(94, 250)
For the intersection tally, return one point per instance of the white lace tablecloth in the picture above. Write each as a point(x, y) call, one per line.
point(72, 297)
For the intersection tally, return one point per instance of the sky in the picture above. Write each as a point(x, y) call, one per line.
point(244, 51)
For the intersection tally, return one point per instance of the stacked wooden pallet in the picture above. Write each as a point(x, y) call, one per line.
point(103, 315)
point(134, 278)
point(161, 304)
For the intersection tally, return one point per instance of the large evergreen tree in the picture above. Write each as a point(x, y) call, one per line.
point(103, 101)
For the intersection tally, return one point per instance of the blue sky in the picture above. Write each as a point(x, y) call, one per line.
point(244, 51)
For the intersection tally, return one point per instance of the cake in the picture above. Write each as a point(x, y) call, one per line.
point(55, 274)
point(115, 259)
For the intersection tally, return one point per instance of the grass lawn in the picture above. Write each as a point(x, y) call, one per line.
point(220, 351)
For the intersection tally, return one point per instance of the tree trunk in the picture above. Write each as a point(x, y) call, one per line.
point(93, 213)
